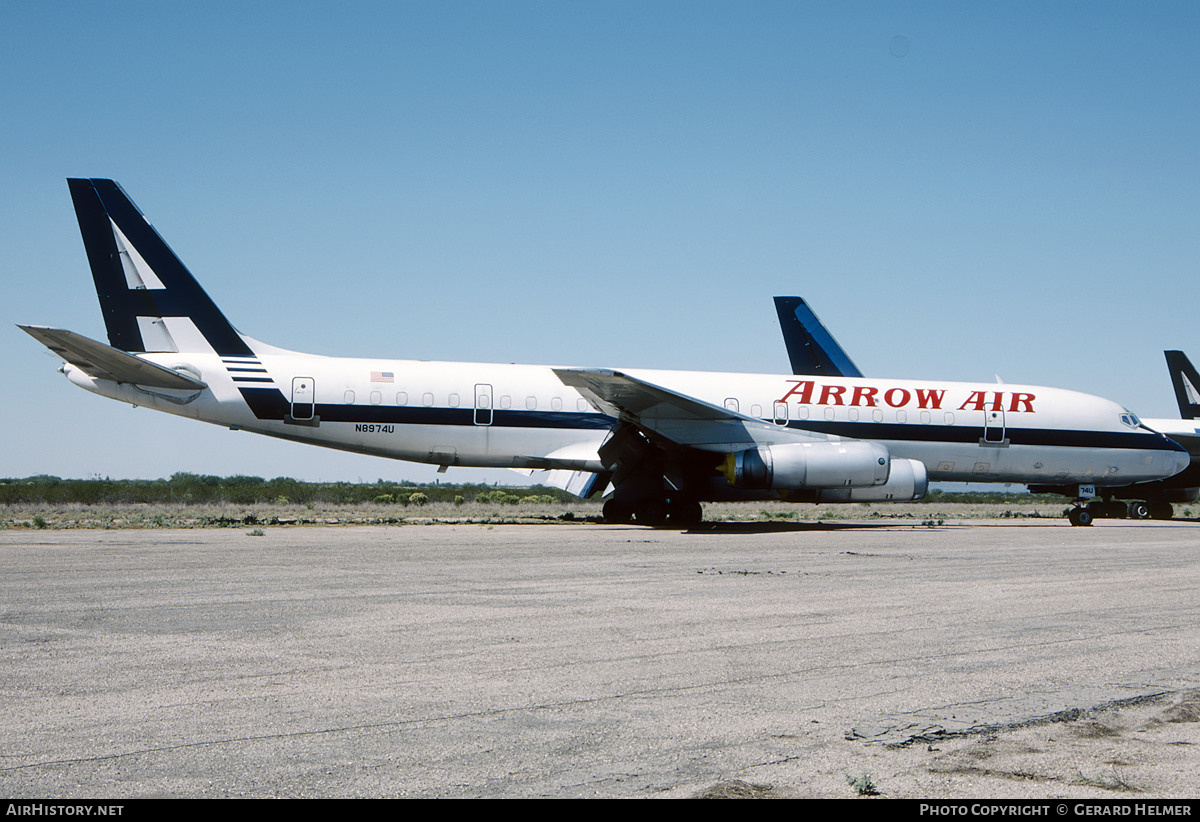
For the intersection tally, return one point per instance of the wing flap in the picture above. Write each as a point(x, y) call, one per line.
point(107, 363)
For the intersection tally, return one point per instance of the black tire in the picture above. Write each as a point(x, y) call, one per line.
point(686, 513)
point(1139, 510)
point(617, 512)
point(1161, 510)
point(653, 514)
point(1080, 516)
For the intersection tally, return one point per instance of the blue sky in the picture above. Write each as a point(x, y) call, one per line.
point(959, 189)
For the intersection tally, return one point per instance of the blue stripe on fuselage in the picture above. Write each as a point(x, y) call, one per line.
point(922, 432)
point(271, 404)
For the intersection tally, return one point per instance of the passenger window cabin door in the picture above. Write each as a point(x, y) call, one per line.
point(304, 399)
point(483, 404)
point(993, 429)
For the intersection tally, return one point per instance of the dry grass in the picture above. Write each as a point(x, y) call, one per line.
point(143, 515)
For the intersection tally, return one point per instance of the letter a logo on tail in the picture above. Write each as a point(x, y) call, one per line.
point(149, 299)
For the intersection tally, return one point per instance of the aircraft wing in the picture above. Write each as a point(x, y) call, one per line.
point(678, 418)
point(107, 363)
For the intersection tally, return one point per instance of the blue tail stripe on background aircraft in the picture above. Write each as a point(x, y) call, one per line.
point(810, 346)
point(812, 349)
point(1186, 382)
point(664, 441)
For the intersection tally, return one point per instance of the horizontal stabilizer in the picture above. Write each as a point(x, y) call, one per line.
point(107, 363)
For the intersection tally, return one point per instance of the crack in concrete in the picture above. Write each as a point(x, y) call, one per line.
point(902, 736)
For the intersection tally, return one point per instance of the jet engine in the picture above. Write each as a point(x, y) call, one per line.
point(851, 464)
point(908, 481)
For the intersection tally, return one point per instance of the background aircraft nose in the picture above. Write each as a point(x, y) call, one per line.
point(1177, 458)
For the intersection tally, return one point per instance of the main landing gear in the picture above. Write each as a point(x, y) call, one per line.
point(680, 513)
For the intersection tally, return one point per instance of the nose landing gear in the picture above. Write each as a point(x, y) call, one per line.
point(1080, 515)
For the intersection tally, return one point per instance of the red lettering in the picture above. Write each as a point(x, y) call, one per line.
point(864, 396)
point(997, 397)
point(896, 397)
point(928, 398)
point(975, 401)
point(802, 388)
point(1021, 398)
point(832, 392)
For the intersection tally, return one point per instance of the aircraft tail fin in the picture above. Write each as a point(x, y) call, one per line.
point(1186, 382)
point(150, 301)
point(811, 348)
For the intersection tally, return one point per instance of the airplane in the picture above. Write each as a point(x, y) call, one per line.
point(666, 441)
point(812, 349)
point(1154, 499)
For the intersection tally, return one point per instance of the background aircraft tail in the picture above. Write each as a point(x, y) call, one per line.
point(1186, 383)
point(811, 348)
point(150, 301)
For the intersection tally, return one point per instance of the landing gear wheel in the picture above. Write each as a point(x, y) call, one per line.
point(1080, 516)
point(685, 514)
point(617, 512)
point(1161, 510)
point(653, 514)
point(1139, 510)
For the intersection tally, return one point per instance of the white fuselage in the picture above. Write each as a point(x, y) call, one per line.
point(523, 416)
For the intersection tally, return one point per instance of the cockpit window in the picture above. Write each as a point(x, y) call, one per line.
point(1130, 419)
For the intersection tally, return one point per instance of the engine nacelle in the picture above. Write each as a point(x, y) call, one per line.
point(852, 464)
point(908, 481)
